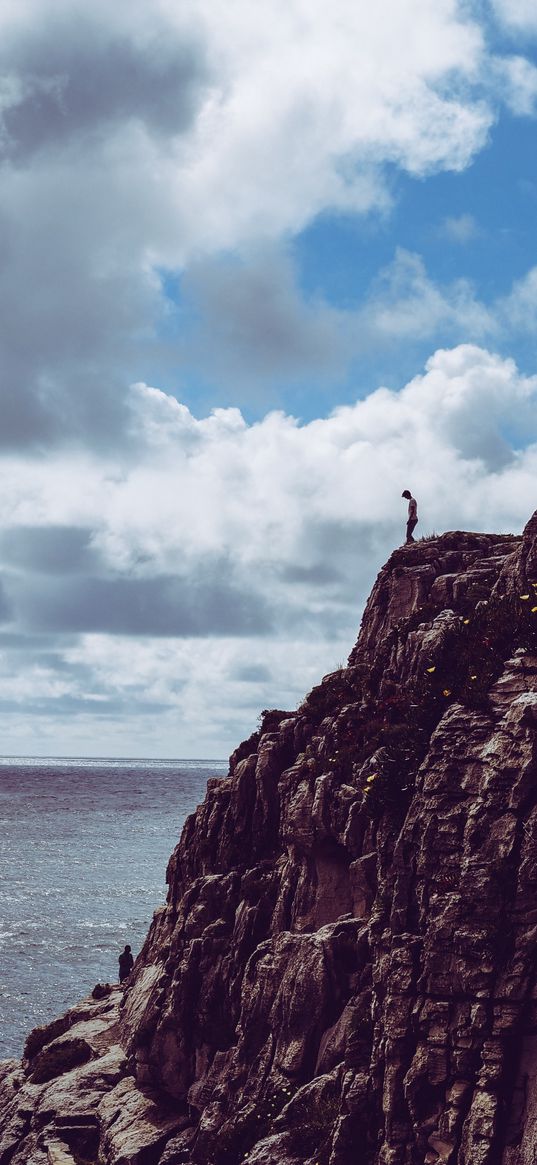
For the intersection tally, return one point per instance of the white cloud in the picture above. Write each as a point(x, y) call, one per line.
point(518, 78)
point(517, 15)
point(258, 318)
point(219, 485)
point(299, 517)
point(461, 228)
point(287, 108)
point(519, 308)
point(256, 329)
point(145, 135)
point(148, 135)
point(404, 302)
point(312, 101)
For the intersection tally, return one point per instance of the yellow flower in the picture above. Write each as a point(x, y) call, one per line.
point(371, 777)
point(431, 669)
point(446, 692)
point(465, 621)
point(473, 677)
point(533, 610)
point(524, 596)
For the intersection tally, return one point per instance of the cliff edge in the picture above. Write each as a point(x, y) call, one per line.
point(345, 969)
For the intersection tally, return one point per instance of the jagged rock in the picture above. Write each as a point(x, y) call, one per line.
point(345, 969)
point(136, 1128)
point(52, 1102)
point(59, 1154)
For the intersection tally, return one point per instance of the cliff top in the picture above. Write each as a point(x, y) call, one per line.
point(347, 959)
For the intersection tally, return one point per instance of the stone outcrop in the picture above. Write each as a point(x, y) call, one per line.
point(345, 969)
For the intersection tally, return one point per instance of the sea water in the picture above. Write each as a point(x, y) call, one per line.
point(84, 846)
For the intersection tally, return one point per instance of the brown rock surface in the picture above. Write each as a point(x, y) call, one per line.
point(345, 969)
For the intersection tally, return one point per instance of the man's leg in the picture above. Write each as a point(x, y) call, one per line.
point(410, 526)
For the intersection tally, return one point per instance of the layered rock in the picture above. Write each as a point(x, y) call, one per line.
point(344, 971)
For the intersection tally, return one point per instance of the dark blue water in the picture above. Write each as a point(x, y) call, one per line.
point(83, 851)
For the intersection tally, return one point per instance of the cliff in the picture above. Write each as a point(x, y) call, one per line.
point(345, 969)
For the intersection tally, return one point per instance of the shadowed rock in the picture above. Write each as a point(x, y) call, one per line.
point(344, 970)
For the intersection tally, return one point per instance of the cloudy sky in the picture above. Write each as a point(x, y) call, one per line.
point(262, 266)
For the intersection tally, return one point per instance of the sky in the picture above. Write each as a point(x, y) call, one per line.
point(262, 267)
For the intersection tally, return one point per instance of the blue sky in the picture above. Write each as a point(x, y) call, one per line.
point(341, 256)
point(259, 263)
point(477, 224)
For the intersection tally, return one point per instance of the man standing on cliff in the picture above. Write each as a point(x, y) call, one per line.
point(412, 514)
point(126, 963)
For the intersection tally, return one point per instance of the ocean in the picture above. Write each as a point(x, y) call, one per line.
point(84, 846)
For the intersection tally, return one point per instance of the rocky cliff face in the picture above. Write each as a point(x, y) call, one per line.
point(345, 969)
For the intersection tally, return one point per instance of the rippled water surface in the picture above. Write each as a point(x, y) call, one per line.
point(83, 851)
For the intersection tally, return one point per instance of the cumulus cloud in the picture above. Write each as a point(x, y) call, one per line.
point(250, 328)
point(257, 329)
point(71, 77)
point(519, 307)
point(518, 15)
point(316, 102)
point(181, 572)
point(143, 137)
point(519, 79)
point(404, 302)
point(241, 98)
point(260, 325)
point(226, 570)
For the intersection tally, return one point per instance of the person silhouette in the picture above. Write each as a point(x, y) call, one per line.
point(412, 514)
point(126, 963)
